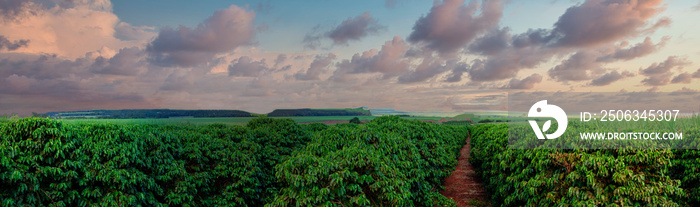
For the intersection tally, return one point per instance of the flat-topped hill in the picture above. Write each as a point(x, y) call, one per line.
point(320, 112)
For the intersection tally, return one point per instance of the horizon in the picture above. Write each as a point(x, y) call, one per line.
point(448, 56)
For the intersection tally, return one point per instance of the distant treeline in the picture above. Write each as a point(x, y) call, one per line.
point(319, 112)
point(176, 113)
point(148, 113)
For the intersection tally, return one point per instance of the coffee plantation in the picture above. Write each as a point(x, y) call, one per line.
point(584, 177)
point(269, 162)
point(388, 161)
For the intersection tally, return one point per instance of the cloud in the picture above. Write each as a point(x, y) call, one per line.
point(429, 67)
point(585, 30)
point(577, 67)
point(12, 45)
point(121, 65)
point(526, 83)
point(351, 29)
point(682, 78)
point(609, 78)
point(246, 67)
point(533, 37)
point(659, 74)
point(597, 22)
point(43, 67)
point(312, 39)
point(657, 79)
point(70, 28)
point(638, 50)
point(128, 62)
point(582, 65)
point(507, 63)
point(19, 84)
point(685, 90)
point(280, 59)
point(317, 67)
point(492, 43)
point(457, 72)
point(263, 86)
point(176, 82)
point(387, 61)
point(665, 66)
point(126, 31)
point(450, 25)
point(355, 29)
point(40, 83)
point(224, 31)
point(11, 9)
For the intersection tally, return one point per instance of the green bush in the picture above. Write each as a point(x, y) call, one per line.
point(545, 177)
point(355, 121)
point(47, 163)
point(388, 162)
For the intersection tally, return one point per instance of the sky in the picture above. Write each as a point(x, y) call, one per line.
point(257, 56)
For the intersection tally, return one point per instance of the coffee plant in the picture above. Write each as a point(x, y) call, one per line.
point(387, 162)
point(275, 162)
point(581, 177)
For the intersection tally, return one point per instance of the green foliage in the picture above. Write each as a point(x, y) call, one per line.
point(686, 168)
point(355, 121)
point(387, 162)
point(390, 162)
point(315, 127)
point(544, 177)
point(44, 162)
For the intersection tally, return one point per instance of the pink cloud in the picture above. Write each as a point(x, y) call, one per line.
point(388, 61)
point(450, 25)
point(317, 67)
point(610, 78)
point(224, 31)
point(355, 28)
point(525, 83)
point(659, 74)
point(638, 50)
point(597, 22)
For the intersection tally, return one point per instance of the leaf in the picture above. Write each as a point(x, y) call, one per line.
point(546, 125)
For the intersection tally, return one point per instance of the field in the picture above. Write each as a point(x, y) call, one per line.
point(388, 161)
point(648, 173)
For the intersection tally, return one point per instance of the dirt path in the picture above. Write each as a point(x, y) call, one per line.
point(464, 186)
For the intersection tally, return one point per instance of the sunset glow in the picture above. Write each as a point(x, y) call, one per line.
point(259, 56)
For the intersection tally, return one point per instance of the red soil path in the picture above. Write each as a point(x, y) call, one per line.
point(463, 186)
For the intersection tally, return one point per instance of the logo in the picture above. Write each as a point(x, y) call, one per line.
point(542, 109)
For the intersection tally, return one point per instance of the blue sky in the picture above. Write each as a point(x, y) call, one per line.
point(411, 55)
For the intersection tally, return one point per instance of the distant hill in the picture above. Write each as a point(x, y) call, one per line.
point(387, 111)
point(182, 113)
point(320, 112)
point(147, 113)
